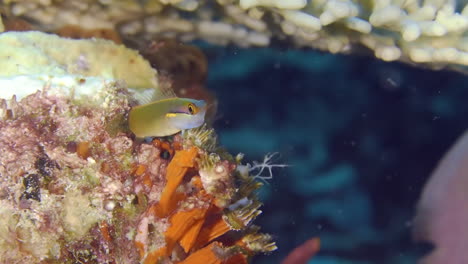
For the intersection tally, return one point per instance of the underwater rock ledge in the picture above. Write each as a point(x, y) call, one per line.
point(76, 186)
point(423, 33)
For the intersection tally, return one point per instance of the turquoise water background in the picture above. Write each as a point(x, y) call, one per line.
point(360, 137)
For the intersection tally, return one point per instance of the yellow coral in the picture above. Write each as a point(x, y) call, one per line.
point(39, 53)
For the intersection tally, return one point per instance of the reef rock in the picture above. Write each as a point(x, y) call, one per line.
point(75, 185)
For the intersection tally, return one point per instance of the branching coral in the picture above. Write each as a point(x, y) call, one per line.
point(425, 33)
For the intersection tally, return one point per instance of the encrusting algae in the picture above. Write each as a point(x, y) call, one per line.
point(77, 187)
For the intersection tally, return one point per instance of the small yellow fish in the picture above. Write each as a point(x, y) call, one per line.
point(166, 117)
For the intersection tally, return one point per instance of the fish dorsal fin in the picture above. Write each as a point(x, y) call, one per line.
point(162, 90)
point(144, 96)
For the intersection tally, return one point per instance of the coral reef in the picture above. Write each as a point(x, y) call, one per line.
point(427, 33)
point(36, 53)
point(75, 186)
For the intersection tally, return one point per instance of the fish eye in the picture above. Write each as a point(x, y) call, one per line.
point(191, 109)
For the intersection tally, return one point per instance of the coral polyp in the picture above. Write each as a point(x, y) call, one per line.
point(76, 186)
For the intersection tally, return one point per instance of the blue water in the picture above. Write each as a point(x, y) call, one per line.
point(361, 137)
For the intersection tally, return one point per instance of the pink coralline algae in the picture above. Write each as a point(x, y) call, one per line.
point(56, 198)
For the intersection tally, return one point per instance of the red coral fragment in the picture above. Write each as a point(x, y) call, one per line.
point(304, 252)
